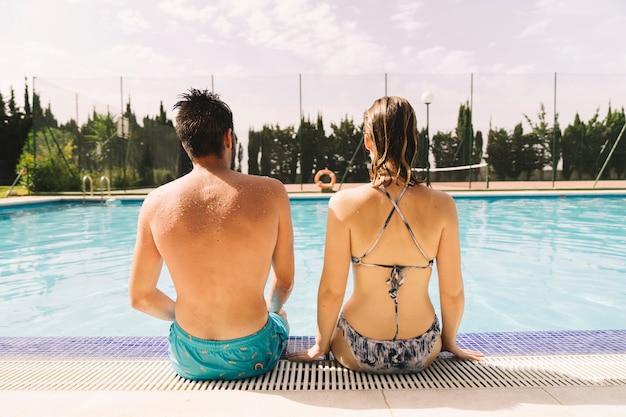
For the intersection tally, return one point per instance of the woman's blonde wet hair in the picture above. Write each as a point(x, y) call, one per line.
point(391, 125)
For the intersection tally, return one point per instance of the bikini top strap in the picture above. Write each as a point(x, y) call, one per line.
point(404, 220)
point(382, 230)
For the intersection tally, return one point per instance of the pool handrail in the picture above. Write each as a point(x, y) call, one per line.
point(104, 179)
point(85, 178)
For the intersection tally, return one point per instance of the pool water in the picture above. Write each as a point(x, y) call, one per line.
point(544, 264)
point(529, 264)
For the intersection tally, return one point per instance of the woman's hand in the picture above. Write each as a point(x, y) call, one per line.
point(465, 354)
point(310, 355)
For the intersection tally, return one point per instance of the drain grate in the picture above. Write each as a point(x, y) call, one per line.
point(157, 375)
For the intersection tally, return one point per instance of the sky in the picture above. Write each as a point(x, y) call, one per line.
point(268, 57)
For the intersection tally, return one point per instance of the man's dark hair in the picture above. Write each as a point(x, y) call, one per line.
point(201, 122)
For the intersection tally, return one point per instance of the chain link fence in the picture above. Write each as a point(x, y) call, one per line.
point(536, 103)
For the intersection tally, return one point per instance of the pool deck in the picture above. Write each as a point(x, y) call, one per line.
point(599, 386)
point(482, 186)
point(572, 373)
point(452, 187)
point(477, 188)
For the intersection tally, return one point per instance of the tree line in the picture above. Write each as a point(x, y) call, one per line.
point(582, 147)
point(57, 156)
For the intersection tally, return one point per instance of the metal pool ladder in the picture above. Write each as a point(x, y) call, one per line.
point(85, 179)
point(104, 180)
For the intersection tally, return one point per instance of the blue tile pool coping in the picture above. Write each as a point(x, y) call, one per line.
point(545, 343)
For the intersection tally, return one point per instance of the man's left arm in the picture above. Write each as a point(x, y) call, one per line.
point(283, 257)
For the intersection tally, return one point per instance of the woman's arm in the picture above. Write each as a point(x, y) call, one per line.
point(451, 291)
point(333, 282)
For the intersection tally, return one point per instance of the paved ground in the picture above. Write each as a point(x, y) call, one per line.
point(501, 402)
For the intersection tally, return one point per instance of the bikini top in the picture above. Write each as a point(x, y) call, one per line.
point(398, 272)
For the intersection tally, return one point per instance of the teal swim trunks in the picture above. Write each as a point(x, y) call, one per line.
point(256, 354)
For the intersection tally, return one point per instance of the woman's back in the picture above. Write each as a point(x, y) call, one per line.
point(371, 309)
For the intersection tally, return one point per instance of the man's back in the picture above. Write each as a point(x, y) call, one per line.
point(218, 235)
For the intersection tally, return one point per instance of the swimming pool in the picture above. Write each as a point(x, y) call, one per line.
point(530, 264)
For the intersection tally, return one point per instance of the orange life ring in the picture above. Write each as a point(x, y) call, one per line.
point(323, 185)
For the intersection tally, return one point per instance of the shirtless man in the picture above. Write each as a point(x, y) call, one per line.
point(219, 233)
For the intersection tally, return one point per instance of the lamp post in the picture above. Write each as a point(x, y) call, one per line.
point(427, 98)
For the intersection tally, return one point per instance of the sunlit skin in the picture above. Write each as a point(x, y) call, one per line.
point(219, 232)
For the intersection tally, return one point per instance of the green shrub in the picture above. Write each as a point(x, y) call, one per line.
point(162, 176)
point(48, 175)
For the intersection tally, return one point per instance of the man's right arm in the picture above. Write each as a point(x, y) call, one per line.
point(145, 271)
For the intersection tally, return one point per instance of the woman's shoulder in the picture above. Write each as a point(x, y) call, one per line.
point(436, 195)
point(351, 196)
point(440, 203)
point(349, 200)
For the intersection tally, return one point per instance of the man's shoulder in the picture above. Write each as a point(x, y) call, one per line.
point(263, 183)
point(162, 193)
point(257, 178)
point(164, 189)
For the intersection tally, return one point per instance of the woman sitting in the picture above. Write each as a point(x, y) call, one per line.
point(392, 231)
